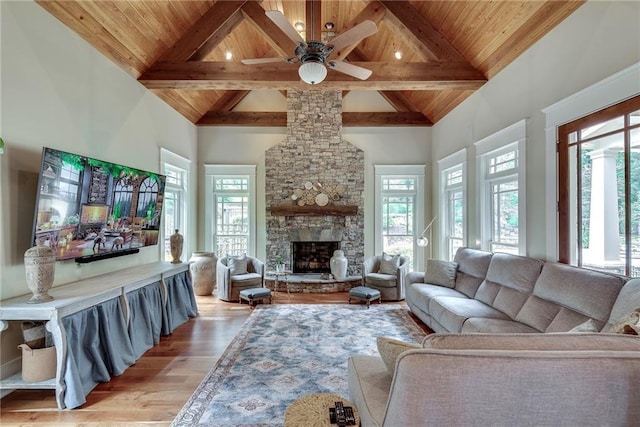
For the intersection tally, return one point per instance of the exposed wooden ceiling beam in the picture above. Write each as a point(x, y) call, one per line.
point(419, 32)
point(229, 100)
point(277, 39)
point(374, 11)
point(313, 12)
point(212, 23)
point(399, 101)
point(283, 76)
point(219, 35)
point(279, 119)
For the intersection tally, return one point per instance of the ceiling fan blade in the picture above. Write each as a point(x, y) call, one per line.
point(350, 69)
point(353, 35)
point(281, 21)
point(265, 60)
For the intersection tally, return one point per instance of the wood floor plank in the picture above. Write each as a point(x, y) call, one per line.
point(152, 392)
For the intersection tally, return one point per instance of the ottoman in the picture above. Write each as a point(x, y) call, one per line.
point(364, 293)
point(254, 294)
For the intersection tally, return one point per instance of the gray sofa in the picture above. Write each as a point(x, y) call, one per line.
point(504, 293)
point(488, 362)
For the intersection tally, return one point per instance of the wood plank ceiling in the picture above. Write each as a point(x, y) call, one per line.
point(177, 49)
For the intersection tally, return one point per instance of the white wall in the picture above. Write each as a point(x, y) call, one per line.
point(246, 145)
point(59, 92)
point(598, 40)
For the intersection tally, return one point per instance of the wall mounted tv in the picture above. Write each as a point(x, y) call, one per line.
point(89, 209)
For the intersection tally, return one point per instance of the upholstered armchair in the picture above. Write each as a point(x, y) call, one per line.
point(234, 274)
point(386, 274)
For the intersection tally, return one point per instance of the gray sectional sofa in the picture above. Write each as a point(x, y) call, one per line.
point(504, 353)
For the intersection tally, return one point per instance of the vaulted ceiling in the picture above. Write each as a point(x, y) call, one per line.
point(178, 50)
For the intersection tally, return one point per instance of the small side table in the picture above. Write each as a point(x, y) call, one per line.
point(277, 275)
point(312, 410)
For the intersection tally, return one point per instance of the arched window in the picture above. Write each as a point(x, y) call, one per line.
point(147, 197)
point(122, 195)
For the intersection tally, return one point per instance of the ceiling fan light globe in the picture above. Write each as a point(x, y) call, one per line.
point(312, 72)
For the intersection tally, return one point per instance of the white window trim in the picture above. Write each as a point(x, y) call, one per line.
point(170, 158)
point(419, 172)
point(612, 90)
point(211, 171)
point(459, 158)
point(514, 135)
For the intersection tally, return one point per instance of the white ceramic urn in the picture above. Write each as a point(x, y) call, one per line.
point(40, 267)
point(338, 264)
point(203, 272)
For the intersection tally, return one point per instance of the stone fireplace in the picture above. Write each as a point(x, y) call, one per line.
point(313, 159)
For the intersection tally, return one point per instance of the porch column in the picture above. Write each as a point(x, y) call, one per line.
point(604, 233)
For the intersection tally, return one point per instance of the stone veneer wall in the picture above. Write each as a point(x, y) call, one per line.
point(314, 151)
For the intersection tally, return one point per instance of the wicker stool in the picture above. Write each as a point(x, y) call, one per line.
point(255, 294)
point(364, 293)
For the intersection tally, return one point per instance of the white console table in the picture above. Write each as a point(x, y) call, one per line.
point(172, 302)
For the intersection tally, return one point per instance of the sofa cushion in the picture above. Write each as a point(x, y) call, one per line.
point(586, 326)
point(588, 292)
point(628, 299)
point(451, 312)
point(440, 272)
point(247, 279)
point(421, 294)
point(580, 341)
point(509, 282)
point(389, 264)
point(499, 326)
point(629, 324)
point(382, 280)
point(369, 385)
point(237, 264)
point(472, 268)
point(390, 349)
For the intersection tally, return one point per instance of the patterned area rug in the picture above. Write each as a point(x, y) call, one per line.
point(284, 352)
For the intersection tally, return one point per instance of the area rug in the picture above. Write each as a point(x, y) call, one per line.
point(284, 352)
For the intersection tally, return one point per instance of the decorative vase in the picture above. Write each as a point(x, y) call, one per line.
point(203, 271)
point(176, 240)
point(40, 267)
point(338, 264)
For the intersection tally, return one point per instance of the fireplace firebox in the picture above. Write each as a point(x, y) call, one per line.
point(312, 257)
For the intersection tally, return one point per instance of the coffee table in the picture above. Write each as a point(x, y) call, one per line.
point(312, 410)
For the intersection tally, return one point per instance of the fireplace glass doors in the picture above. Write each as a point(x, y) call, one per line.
point(312, 257)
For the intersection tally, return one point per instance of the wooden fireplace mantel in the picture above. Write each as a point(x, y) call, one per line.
point(333, 210)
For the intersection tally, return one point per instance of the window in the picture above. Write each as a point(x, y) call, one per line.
point(231, 209)
point(453, 203)
point(599, 189)
point(399, 195)
point(176, 202)
point(501, 168)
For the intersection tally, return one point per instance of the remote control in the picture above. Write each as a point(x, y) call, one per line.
point(340, 417)
point(349, 416)
point(332, 416)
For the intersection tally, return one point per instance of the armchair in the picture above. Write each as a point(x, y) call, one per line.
point(231, 279)
point(391, 286)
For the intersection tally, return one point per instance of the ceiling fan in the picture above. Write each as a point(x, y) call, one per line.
point(313, 55)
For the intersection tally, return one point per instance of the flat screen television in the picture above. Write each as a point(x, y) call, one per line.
point(88, 209)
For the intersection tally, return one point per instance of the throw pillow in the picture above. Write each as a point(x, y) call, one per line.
point(587, 326)
point(389, 264)
point(629, 324)
point(390, 349)
point(440, 272)
point(237, 264)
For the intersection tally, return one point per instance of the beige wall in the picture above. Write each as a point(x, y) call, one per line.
point(600, 39)
point(59, 92)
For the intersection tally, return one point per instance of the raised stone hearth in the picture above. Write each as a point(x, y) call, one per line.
point(312, 283)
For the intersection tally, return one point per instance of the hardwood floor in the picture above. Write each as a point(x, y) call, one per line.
point(152, 391)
